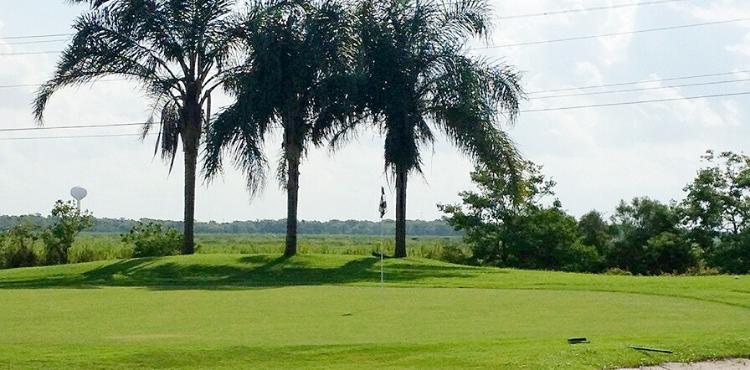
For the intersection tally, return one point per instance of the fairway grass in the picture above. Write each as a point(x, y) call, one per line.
point(331, 312)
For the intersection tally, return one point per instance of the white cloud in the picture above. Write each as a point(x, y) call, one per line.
point(724, 10)
point(695, 112)
point(717, 10)
point(733, 114)
point(742, 48)
point(590, 72)
point(615, 48)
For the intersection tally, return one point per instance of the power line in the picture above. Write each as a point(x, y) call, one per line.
point(21, 85)
point(642, 81)
point(38, 85)
point(557, 12)
point(643, 89)
point(692, 25)
point(35, 42)
point(635, 102)
point(30, 53)
point(689, 77)
point(72, 137)
point(611, 34)
point(35, 36)
point(523, 111)
point(72, 127)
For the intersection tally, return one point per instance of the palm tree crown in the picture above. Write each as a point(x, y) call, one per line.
point(296, 79)
point(176, 50)
point(415, 71)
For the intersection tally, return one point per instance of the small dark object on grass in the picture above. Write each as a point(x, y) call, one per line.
point(578, 340)
point(651, 349)
point(346, 314)
point(378, 254)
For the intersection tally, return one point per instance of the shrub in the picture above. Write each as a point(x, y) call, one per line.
point(617, 271)
point(153, 240)
point(454, 253)
point(702, 270)
point(17, 245)
point(20, 257)
point(58, 239)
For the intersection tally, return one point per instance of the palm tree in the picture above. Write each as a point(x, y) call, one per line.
point(417, 76)
point(176, 50)
point(296, 79)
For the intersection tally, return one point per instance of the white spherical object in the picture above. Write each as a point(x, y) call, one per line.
point(78, 193)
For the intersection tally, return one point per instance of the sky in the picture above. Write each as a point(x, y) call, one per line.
point(684, 63)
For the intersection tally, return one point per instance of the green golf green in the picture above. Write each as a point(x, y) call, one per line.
point(331, 312)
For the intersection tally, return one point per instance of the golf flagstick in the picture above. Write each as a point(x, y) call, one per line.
point(383, 208)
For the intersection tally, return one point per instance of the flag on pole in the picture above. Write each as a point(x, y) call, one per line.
point(383, 205)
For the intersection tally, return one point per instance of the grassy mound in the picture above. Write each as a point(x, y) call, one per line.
point(331, 312)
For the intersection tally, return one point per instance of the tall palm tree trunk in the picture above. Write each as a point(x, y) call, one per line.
point(191, 140)
point(191, 155)
point(400, 249)
point(292, 196)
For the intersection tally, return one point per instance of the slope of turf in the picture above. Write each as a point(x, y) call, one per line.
point(331, 312)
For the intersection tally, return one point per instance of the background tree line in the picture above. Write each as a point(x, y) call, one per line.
point(331, 227)
point(509, 225)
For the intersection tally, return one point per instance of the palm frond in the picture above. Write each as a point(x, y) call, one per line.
point(166, 47)
point(463, 18)
point(93, 3)
point(468, 98)
point(416, 69)
point(295, 78)
point(103, 45)
point(171, 123)
point(243, 141)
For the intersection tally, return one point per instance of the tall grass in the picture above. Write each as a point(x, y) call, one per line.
point(98, 247)
point(90, 247)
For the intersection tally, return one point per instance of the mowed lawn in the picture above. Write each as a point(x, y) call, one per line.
point(331, 312)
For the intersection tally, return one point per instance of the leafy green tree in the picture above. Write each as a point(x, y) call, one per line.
point(580, 257)
point(648, 239)
point(295, 78)
point(717, 210)
point(496, 219)
point(59, 238)
point(544, 239)
point(176, 50)
point(718, 200)
point(595, 230)
point(670, 252)
point(415, 71)
point(732, 254)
